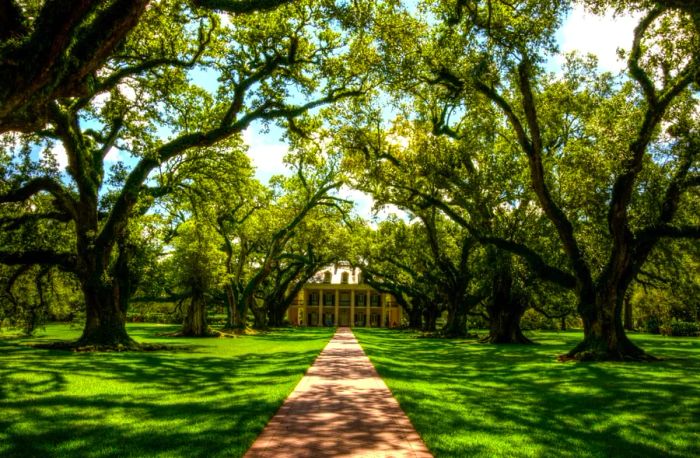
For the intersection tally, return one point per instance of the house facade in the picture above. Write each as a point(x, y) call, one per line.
point(338, 296)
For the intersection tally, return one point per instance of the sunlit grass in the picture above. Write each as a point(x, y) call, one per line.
point(209, 397)
point(469, 399)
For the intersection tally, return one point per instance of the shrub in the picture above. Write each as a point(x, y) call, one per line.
point(154, 317)
point(652, 324)
point(680, 329)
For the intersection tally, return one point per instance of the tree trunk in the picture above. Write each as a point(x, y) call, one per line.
point(195, 324)
point(506, 309)
point(456, 325)
point(562, 325)
point(105, 324)
point(504, 323)
point(430, 314)
point(415, 317)
point(259, 318)
point(629, 322)
point(604, 336)
point(276, 313)
point(230, 308)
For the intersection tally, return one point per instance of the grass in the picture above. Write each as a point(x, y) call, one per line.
point(209, 397)
point(470, 399)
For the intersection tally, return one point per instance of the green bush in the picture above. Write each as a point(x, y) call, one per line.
point(154, 317)
point(532, 320)
point(680, 329)
point(652, 324)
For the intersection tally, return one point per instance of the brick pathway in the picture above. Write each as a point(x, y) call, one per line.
point(341, 408)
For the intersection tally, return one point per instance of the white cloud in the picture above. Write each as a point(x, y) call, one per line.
point(59, 153)
point(266, 153)
point(113, 155)
point(363, 201)
point(127, 91)
point(390, 209)
point(588, 33)
point(100, 100)
point(225, 19)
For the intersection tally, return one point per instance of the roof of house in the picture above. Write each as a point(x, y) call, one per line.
point(336, 274)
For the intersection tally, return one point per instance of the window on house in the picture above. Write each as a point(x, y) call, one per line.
point(313, 298)
point(326, 277)
point(344, 278)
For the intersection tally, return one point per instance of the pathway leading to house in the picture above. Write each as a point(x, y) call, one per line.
point(341, 408)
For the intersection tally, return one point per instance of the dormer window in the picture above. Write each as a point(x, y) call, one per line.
point(344, 278)
point(326, 277)
point(360, 278)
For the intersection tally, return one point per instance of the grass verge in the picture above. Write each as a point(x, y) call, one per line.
point(482, 400)
point(203, 397)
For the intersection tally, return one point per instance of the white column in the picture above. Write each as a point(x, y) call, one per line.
point(320, 308)
point(352, 307)
point(337, 307)
point(368, 298)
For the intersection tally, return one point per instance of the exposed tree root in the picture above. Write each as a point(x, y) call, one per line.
point(596, 350)
point(519, 340)
point(207, 333)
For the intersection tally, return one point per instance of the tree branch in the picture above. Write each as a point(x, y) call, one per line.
point(66, 261)
point(38, 185)
point(635, 54)
point(13, 223)
point(241, 6)
point(535, 261)
point(668, 231)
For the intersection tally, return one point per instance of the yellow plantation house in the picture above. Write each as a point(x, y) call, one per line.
point(338, 296)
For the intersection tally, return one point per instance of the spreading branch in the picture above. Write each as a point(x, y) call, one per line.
point(42, 184)
point(66, 261)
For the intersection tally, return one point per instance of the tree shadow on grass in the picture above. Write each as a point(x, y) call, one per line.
point(187, 403)
point(515, 400)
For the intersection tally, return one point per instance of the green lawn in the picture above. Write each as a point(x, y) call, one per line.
point(468, 399)
point(210, 397)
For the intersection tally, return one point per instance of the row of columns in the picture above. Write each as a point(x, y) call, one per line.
point(352, 309)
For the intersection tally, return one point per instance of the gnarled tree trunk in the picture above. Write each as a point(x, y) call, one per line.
point(195, 323)
point(106, 293)
point(456, 325)
point(415, 317)
point(430, 315)
point(105, 324)
point(604, 335)
point(275, 315)
point(506, 308)
point(259, 318)
point(504, 323)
